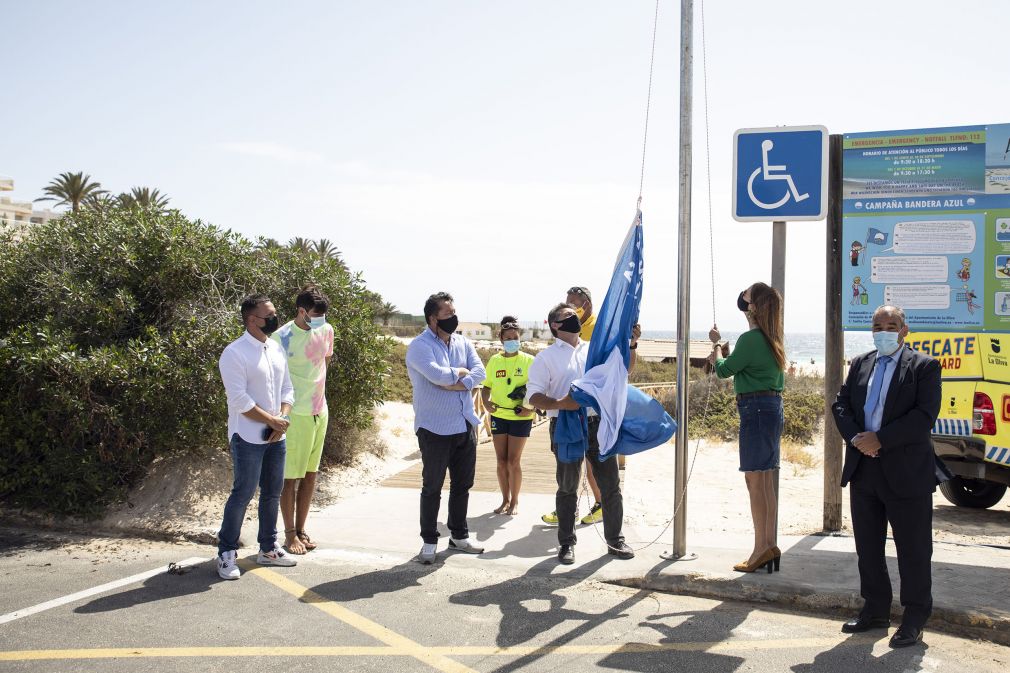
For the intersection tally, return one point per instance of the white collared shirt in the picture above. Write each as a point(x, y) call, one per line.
point(553, 370)
point(255, 373)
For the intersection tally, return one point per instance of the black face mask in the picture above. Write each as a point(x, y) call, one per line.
point(448, 325)
point(270, 325)
point(742, 303)
point(571, 324)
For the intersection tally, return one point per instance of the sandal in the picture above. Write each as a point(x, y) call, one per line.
point(305, 540)
point(289, 545)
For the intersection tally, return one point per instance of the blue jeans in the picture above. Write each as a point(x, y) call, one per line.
point(253, 464)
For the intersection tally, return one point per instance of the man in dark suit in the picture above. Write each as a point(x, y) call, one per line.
point(885, 413)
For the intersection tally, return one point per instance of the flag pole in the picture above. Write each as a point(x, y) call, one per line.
point(679, 552)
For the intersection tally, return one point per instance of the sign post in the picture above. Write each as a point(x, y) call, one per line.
point(780, 174)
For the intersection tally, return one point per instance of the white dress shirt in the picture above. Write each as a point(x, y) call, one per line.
point(553, 370)
point(255, 373)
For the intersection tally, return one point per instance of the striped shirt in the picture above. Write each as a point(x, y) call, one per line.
point(431, 364)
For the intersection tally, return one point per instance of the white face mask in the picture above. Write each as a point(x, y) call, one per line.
point(886, 342)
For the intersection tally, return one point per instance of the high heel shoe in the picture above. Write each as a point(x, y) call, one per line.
point(766, 560)
point(778, 557)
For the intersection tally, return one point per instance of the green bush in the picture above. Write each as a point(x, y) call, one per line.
point(653, 372)
point(112, 328)
point(397, 385)
point(713, 413)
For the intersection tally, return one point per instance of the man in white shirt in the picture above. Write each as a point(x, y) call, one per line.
point(255, 375)
point(550, 380)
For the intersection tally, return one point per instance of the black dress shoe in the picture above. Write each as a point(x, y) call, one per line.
point(621, 551)
point(906, 636)
point(566, 554)
point(865, 623)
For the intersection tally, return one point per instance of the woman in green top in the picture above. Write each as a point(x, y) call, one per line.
point(511, 422)
point(757, 366)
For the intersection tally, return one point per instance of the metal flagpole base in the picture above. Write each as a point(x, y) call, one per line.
point(670, 556)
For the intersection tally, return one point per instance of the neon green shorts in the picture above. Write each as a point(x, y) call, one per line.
point(305, 444)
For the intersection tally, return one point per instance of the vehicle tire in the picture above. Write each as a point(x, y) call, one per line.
point(974, 493)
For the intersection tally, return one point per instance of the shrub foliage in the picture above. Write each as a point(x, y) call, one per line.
point(713, 413)
point(112, 326)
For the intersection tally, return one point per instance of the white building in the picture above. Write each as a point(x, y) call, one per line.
point(474, 331)
point(20, 213)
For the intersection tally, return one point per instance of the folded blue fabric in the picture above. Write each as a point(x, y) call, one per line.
point(571, 435)
point(646, 425)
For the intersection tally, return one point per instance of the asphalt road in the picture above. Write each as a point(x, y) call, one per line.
point(352, 611)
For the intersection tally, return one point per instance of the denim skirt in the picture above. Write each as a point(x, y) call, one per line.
point(761, 420)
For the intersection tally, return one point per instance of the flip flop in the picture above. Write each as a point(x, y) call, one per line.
point(306, 540)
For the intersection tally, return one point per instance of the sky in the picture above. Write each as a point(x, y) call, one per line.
point(488, 149)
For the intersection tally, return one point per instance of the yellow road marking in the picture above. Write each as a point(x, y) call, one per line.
point(397, 651)
point(145, 652)
point(363, 624)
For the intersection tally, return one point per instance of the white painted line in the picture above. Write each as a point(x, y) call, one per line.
point(101, 588)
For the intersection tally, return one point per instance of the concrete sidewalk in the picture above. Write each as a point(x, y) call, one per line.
point(971, 584)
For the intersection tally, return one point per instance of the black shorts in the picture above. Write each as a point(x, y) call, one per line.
point(516, 428)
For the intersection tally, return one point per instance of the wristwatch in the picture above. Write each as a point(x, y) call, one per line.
point(286, 417)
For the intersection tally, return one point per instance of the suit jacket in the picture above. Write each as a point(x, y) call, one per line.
point(910, 410)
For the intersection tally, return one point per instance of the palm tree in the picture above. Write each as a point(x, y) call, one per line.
point(386, 311)
point(145, 197)
point(102, 202)
point(299, 244)
point(71, 189)
point(267, 243)
point(325, 249)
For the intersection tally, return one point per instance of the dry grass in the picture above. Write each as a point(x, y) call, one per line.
point(798, 455)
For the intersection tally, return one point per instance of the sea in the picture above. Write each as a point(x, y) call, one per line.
point(802, 348)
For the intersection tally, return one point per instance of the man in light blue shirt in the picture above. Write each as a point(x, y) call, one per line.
point(443, 368)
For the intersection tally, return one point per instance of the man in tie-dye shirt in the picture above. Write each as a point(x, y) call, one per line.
point(308, 344)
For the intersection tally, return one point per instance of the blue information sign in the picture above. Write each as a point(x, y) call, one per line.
point(780, 174)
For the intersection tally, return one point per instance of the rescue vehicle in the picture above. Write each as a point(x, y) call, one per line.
point(972, 432)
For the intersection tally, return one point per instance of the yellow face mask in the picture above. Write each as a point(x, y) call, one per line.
point(581, 312)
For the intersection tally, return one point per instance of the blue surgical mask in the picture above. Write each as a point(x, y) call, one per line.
point(315, 322)
point(886, 342)
point(511, 345)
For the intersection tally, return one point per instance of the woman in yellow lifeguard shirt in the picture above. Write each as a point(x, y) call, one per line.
point(511, 422)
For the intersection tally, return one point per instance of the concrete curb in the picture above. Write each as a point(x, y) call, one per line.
point(993, 626)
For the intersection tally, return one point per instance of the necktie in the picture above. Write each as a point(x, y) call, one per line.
point(874, 396)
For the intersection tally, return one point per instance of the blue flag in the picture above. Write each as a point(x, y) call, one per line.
point(630, 420)
point(876, 236)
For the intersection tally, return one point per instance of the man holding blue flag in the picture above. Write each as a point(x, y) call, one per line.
point(550, 379)
point(594, 412)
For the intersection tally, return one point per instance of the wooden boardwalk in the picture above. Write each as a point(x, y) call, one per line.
point(537, 461)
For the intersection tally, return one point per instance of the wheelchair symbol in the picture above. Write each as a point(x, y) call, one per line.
point(769, 172)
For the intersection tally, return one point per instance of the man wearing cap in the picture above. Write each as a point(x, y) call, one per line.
point(582, 300)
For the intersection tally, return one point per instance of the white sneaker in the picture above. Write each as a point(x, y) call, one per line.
point(427, 554)
point(465, 546)
point(227, 566)
point(276, 557)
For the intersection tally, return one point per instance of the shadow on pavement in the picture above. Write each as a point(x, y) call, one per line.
point(541, 541)
point(158, 588)
point(543, 582)
point(858, 651)
point(371, 584)
point(483, 527)
point(720, 622)
point(970, 522)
